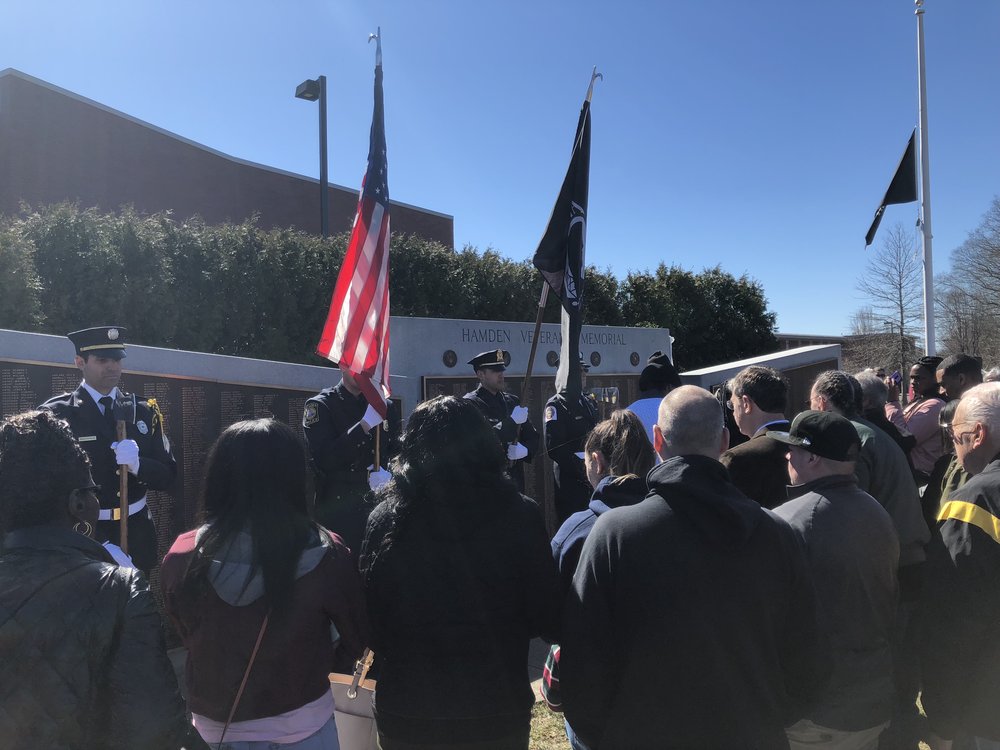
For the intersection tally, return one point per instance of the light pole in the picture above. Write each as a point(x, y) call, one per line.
point(312, 90)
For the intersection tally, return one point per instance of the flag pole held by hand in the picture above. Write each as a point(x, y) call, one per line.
point(124, 410)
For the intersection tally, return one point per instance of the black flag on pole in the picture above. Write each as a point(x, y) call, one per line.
point(561, 254)
point(902, 189)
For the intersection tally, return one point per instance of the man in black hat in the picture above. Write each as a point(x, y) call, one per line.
point(567, 424)
point(339, 426)
point(144, 454)
point(504, 411)
point(656, 380)
point(852, 551)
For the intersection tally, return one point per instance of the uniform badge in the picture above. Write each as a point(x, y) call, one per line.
point(142, 427)
point(113, 334)
point(550, 414)
point(311, 414)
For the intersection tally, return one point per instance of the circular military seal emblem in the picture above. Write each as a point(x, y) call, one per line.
point(142, 427)
point(113, 334)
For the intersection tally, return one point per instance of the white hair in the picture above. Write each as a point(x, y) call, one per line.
point(690, 419)
point(982, 404)
point(873, 390)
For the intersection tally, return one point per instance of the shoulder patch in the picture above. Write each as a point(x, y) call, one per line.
point(551, 414)
point(142, 427)
point(310, 415)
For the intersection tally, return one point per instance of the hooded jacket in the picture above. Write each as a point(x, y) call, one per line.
point(568, 541)
point(219, 625)
point(84, 661)
point(692, 620)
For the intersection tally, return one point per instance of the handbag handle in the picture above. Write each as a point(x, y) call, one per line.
point(246, 676)
point(361, 667)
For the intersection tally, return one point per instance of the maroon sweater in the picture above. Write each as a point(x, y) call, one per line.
point(297, 653)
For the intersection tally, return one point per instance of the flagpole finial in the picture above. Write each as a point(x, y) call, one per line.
point(920, 7)
point(593, 77)
point(377, 36)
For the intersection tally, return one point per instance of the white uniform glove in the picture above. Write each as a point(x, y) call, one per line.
point(519, 414)
point(371, 417)
point(516, 451)
point(377, 478)
point(127, 454)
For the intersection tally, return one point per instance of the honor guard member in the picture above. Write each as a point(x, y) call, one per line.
point(339, 426)
point(504, 412)
point(567, 424)
point(145, 451)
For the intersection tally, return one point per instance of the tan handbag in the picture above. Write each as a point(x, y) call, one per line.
point(355, 715)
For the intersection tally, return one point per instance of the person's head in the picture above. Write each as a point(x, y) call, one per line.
point(992, 375)
point(946, 416)
point(759, 395)
point(975, 430)
point(350, 384)
point(874, 391)
point(820, 444)
point(489, 368)
point(923, 377)
point(255, 481)
point(690, 423)
point(833, 391)
point(659, 376)
point(44, 475)
point(618, 447)
point(958, 373)
point(447, 443)
point(99, 354)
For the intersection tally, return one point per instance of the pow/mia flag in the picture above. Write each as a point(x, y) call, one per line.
point(561, 254)
point(902, 189)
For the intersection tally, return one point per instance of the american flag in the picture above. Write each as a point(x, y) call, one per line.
point(356, 333)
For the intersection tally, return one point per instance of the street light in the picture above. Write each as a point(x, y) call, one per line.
point(313, 90)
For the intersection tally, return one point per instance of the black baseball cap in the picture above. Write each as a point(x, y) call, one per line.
point(104, 341)
point(495, 359)
point(824, 433)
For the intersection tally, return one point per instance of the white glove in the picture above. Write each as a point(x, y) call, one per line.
point(377, 478)
point(519, 414)
point(127, 454)
point(371, 417)
point(516, 451)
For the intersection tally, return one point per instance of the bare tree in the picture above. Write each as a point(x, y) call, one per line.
point(892, 282)
point(966, 300)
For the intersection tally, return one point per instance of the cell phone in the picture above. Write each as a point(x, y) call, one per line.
point(896, 377)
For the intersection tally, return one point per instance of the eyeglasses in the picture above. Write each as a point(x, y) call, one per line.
point(950, 431)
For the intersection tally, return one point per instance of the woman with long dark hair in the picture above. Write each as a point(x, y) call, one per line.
point(84, 661)
point(458, 577)
point(260, 571)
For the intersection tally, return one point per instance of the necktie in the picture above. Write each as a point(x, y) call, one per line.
point(109, 412)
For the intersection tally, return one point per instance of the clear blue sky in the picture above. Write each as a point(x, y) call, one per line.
point(758, 136)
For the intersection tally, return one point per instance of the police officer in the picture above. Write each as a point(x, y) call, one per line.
point(504, 412)
point(144, 454)
point(567, 424)
point(339, 426)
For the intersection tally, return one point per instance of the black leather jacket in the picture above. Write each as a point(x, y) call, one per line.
point(81, 644)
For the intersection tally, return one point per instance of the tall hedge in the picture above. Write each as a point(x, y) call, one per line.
point(238, 289)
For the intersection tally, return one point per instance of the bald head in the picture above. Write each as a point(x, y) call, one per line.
point(690, 422)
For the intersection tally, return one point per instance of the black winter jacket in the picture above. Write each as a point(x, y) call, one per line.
point(84, 661)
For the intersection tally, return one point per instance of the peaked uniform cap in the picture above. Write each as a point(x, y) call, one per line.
point(495, 359)
point(105, 341)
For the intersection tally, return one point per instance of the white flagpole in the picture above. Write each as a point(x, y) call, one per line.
point(925, 188)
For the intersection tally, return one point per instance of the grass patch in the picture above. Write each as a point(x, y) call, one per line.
point(547, 730)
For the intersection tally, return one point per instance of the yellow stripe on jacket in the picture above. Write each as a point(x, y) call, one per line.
point(956, 510)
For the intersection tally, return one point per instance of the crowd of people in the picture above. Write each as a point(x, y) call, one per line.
point(806, 588)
